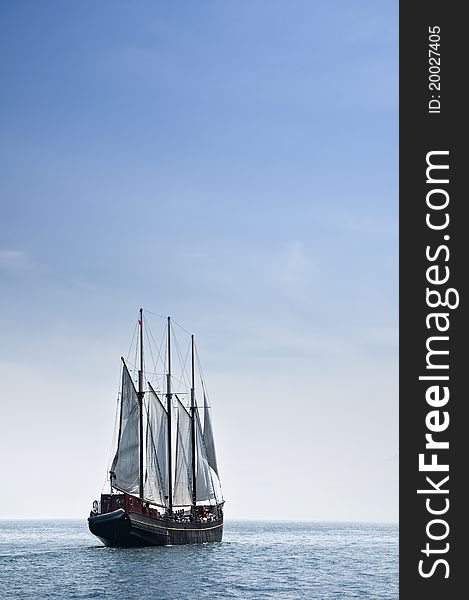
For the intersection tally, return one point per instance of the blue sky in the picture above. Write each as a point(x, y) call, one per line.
point(233, 164)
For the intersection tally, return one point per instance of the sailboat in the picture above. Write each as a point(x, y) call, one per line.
point(164, 478)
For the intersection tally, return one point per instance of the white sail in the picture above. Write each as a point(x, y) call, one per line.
point(126, 460)
point(204, 487)
point(156, 477)
point(216, 487)
point(208, 438)
point(182, 488)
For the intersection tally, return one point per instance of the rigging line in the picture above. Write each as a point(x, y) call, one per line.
point(180, 381)
point(181, 327)
point(160, 359)
point(157, 383)
point(160, 356)
point(198, 362)
point(182, 364)
point(136, 368)
point(147, 336)
point(132, 342)
point(154, 314)
point(158, 350)
point(201, 374)
point(185, 362)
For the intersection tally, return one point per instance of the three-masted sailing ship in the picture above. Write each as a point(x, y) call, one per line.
point(164, 478)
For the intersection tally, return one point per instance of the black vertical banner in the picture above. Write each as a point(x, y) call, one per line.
point(434, 251)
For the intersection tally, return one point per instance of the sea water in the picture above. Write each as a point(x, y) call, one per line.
point(256, 560)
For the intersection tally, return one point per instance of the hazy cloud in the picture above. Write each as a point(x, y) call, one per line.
point(13, 260)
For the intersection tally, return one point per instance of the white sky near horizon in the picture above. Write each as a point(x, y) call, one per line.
point(233, 165)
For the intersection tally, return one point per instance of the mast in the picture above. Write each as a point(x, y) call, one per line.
point(169, 406)
point(194, 480)
point(140, 394)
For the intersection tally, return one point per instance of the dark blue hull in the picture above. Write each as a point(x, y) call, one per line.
point(121, 529)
